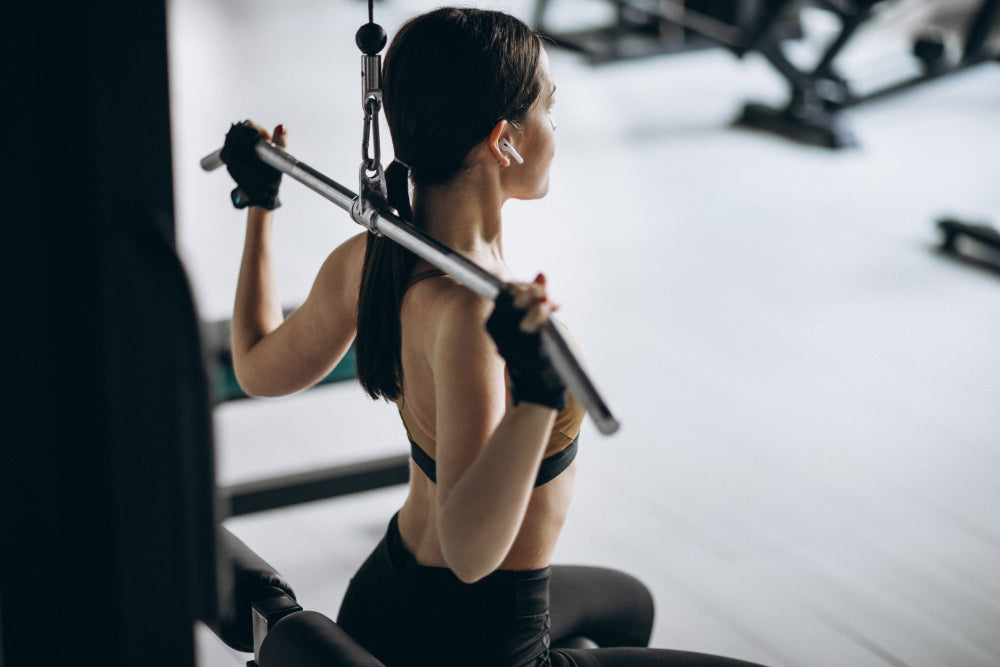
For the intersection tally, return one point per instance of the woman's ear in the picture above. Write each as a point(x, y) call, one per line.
point(493, 143)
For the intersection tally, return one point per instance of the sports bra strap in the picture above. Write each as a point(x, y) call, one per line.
point(551, 467)
point(424, 275)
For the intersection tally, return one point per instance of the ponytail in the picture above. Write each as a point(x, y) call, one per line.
point(384, 278)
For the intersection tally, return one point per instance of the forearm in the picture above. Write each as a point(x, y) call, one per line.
point(482, 515)
point(257, 310)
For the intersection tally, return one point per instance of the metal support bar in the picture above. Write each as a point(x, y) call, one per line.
point(769, 15)
point(268, 494)
point(383, 221)
point(675, 12)
point(849, 25)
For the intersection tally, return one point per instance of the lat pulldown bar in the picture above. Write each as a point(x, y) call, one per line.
point(376, 218)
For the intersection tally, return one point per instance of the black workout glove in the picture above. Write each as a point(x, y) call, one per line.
point(532, 377)
point(256, 183)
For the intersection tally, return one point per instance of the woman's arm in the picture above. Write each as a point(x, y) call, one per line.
point(488, 450)
point(273, 356)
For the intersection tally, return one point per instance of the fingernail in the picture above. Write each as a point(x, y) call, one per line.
point(544, 299)
point(540, 278)
point(280, 129)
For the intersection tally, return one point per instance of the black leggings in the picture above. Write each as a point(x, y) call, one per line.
point(410, 615)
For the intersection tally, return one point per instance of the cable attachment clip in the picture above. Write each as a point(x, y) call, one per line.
point(371, 197)
point(372, 193)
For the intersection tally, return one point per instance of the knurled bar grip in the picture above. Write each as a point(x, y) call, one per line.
point(480, 281)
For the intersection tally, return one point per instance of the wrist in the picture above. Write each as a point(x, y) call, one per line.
point(259, 215)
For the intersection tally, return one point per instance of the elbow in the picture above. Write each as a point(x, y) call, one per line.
point(251, 383)
point(469, 560)
point(467, 572)
point(249, 388)
point(469, 579)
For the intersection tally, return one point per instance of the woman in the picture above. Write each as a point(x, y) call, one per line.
point(463, 575)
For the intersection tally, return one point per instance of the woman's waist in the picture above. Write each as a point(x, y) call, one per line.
point(532, 548)
point(505, 592)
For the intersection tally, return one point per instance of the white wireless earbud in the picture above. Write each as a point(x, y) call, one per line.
point(507, 148)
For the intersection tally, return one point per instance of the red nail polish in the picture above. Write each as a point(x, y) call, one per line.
point(280, 129)
point(544, 299)
point(540, 278)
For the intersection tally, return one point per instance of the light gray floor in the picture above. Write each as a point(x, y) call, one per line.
point(807, 471)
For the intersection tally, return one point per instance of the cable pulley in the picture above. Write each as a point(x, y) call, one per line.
point(371, 39)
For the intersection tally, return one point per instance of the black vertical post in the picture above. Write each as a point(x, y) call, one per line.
point(106, 463)
point(980, 29)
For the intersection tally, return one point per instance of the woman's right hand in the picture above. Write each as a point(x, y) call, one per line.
point(521, 310)
point(257, 183)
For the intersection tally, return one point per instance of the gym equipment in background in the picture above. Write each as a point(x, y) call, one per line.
point(294, 488)
point(260, 614)
point(818, 93)
point(972, 242)
point(222, 377)
point(257, 598)
point(643, 28)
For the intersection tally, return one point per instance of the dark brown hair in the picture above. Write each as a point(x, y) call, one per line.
point(449, 77)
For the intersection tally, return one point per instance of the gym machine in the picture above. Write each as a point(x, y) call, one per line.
point(643, 28)
point(294, 488)
point(972, 242)
point(818, 94)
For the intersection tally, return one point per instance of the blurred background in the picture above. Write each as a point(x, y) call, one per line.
point(810, 388)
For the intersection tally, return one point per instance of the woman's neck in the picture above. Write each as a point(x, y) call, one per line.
point(464, 214)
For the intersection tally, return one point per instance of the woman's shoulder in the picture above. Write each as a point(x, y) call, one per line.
point(445, 297)
point(446, 309)
point(353, 249)
point(338, 281)
point(345, 261)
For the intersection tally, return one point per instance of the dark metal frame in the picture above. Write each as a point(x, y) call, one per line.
point(304, 487)
point(984, 252)
point(812, 114)
point(643, 28)
point(817, 95)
